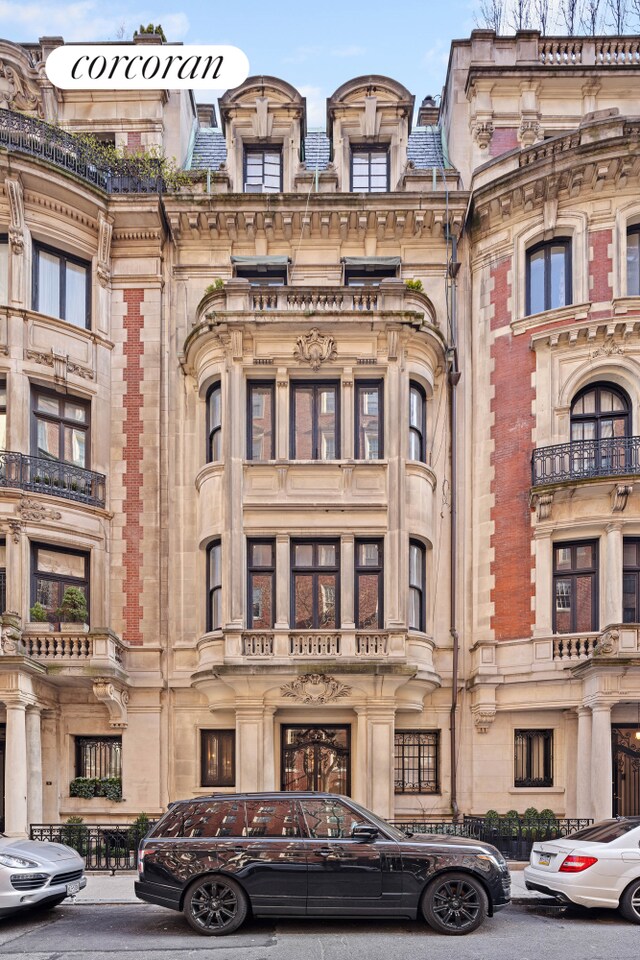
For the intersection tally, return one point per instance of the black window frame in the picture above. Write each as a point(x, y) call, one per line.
point(253, 569)
point(572, 574)
point(256, 149)
point(317, 386)
point(213, 429)
point(529, 736)
point(315, 571)
point(598, 416)
point(632, 231)
point(422, 588)
point(362, 148)
point(359, 385)
point(3, 578)
point(212, 588)
point(631, 570)
point(4, 239)
point(399, 741)
point(222, 734)
point(102, 768)
point(267, 276)
point(368, 275)
point(251, 386)
point(421, 431)
point(3, 402)
point(361, 570)
point(546, 246)
point(64, 258)
point(69, 581)
point(62, 422)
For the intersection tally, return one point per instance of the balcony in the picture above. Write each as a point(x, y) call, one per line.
point(72, 650)
point(315, 299)
point(585, 460)
point(53, 477)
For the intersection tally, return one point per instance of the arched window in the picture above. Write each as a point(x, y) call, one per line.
point(214, 423)
point(600, 411)
point(549, 275)
point(633, 261)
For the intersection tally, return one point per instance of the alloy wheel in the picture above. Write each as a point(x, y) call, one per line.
point(456, 904)
point(214, 905)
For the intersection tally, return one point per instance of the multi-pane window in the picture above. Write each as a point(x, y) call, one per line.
point(53, 570)
point(214, 423)
point(98, 756)
point(60, 428)
point(361, 272)
point(262, 170)
point(575, 575)
point(600, 413)
point(315, 574)
point(369, 421)
point(3, 413)
point(417, 423)
point(4, 269)
point(61, 286)
point(218, 758)
point(261, 421)
point(214, 585)
point(631, 581)
point(633, 261)
point(261, 568)
point(369, 169)
point(3, 576)
point(416, 761)
point(314, 421)
point(417, 610)
point(549, 276)
point(369, 586)
point(533, 758)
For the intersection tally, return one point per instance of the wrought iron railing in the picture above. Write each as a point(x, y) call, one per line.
point(104, 846)
point(41, 475)
point(39, 139)
point(584, 459)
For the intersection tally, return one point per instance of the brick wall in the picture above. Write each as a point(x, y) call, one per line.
point(600, 265)
point(513, 422)
point(503, 140)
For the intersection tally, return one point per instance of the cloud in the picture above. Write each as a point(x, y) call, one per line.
point(352, 51)
point(83, 20)
point(316, 106)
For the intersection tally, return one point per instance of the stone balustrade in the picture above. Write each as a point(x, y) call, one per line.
point(71, 647)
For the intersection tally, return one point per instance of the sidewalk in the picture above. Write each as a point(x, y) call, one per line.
point(104, 888)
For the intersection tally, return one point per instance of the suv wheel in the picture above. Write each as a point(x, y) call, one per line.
point(454, 903)
point(215, 906)
point(630, 902)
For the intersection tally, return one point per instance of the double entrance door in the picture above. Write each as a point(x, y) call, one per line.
point(316, 758)
point(626, 770)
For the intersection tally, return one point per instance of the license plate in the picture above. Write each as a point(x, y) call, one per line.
point(73, 888)
point(544, 859)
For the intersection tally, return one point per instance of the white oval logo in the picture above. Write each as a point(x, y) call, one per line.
point(146, 67)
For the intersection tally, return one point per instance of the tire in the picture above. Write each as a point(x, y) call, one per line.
point(215, 906)
point(454, 904)
point(630, 902)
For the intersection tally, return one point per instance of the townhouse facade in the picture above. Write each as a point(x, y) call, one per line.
point(335, 435)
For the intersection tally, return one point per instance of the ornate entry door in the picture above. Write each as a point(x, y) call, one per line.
point(626, 771)
point(316, 758)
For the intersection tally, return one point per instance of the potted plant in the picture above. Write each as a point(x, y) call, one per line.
point(72, 612)
point(38, 620)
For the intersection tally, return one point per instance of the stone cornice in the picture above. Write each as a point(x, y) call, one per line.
point(604, 335)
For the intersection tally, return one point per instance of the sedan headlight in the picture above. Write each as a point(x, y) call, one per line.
point(6, 860)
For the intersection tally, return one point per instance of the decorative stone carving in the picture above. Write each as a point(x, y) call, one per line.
point(543, 502)
point(115, 699)
point(105, 233)
point(607, 349)
point(16, 528)
point(482, 133)
point(315, 349)
point(61, 364)
point(18, 92)
point(35, 511)
point(529, 132)
point(13, 188)
point(619, 496)
point(607, 643)
point(315, 688)
point(11, 644)
point(483, 717)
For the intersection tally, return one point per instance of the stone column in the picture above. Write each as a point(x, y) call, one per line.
point(360, 769)
point(612, 571)
point(34, 766)
point(282, 582)
point(347, 426)
point(233, 563)
point(601, 761)
point(381, 722)
point(583, 763)
point(544, 585)
point(570, 752)
point(15, 776)
point(249, 747)
point(269, 757)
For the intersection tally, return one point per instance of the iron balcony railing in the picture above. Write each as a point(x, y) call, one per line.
point(39, 139)
point(585, 459)
point(41, 475)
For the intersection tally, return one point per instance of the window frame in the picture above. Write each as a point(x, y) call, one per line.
point(368, 385)
point(209, 733)
point(261, 148)
point(317, 386)
point(593, 572)
point(598, 416)
point(361, 148)
point(4, 240)
point(213, 429)
point(84, 740)
point(251, 386)
point(421, 431)
point(422, 588)
point(531, 733)
point(64, 258)
point(63, 422)
point(632, 231)
point(73, 581)
point(4, 405)
point(546, 246)
point(360, 570)
point(634, 571)
point(252, 569)
point(436, 757)
point(315, 570)
point(212, 588)
point(3, 577)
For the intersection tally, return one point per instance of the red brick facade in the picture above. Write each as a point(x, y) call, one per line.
point(134, 141)
point(503, 140)
point(600, 265)
point(511, 406)
point(133, 404)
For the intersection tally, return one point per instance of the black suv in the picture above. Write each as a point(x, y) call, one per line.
point(315, 855)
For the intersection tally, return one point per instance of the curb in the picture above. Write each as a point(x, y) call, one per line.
point(537, 902)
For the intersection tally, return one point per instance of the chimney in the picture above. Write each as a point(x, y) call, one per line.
point(428, 113)
point(206, 115)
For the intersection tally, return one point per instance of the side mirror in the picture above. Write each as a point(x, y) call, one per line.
point(365, 832)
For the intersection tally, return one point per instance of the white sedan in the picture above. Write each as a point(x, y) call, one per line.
point(595, 867)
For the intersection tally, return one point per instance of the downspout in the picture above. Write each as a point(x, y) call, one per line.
point(453, 379)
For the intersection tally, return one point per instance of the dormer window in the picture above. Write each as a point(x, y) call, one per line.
point(369, 271)
point(268, 271)
point(369, 169)
point(262, 169)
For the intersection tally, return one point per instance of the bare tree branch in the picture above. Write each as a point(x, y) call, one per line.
point(570, 15)
point(591, 18)
point(541, 14)
point(491, 15)
point(618, 11)
point(518, 14)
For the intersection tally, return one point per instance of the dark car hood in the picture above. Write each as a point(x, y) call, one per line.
point(451, 843)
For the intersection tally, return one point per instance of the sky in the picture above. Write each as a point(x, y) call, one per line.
point(314, 47)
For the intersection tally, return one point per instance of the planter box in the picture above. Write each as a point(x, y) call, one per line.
point(38, 626)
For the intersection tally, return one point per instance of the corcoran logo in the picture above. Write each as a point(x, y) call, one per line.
point(160, 67)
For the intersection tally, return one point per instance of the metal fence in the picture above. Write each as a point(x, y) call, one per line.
point(44, 475)
point(104, 847)
point(582, 459)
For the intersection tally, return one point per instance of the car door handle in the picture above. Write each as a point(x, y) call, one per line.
point(327, 852)
point(238, 849)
